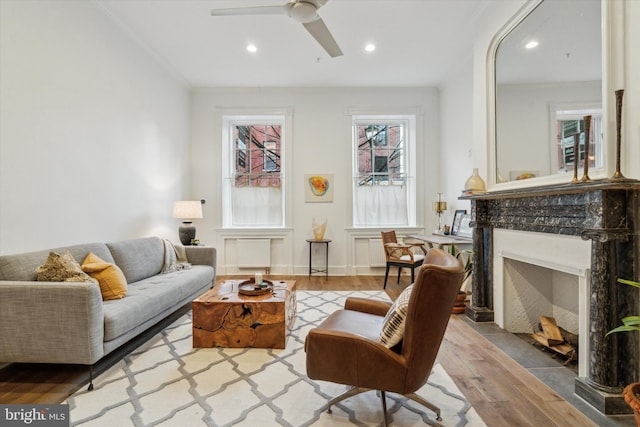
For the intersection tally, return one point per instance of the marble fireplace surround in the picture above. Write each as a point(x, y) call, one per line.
point(606, 215)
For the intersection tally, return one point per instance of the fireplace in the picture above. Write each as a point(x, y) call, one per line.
point(538, 274)
point(586, 234)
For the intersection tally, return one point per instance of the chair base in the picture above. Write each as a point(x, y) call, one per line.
point(353, 391)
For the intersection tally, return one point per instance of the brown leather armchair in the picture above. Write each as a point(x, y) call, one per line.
point(346, 348)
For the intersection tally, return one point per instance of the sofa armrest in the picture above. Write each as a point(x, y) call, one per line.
point(201, 255)
point(51, 322)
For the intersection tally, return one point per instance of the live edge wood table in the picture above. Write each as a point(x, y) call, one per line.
point(224, 318)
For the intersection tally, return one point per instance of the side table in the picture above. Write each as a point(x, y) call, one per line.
point(324, 270)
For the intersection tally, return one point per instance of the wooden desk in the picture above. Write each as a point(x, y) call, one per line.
point(439, 241)
point(224, 318)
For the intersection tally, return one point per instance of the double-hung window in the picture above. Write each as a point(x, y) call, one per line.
point(253, 189)
point(384, 191)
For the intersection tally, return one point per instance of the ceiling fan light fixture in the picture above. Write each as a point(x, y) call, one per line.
point(303, 12)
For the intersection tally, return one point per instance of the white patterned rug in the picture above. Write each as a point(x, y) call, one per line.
point(166, 382)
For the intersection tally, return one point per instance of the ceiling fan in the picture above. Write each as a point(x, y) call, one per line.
point(303, 11)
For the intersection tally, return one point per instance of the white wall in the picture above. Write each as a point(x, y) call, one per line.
point(320, 142)
point(456, 154)
point(94, 134)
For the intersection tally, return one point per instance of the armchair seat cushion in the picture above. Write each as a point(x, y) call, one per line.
point(416, 258)
point(354, 322)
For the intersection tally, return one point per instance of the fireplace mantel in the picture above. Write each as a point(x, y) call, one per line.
point(607, 213)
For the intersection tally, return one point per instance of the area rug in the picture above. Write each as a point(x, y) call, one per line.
point(168, 383)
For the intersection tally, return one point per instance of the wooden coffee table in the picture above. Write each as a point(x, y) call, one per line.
point(224, 318)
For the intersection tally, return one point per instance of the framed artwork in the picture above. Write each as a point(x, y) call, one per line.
point(457, 217)
point(318, 188)
point(465, 226)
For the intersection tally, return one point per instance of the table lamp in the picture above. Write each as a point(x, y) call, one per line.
point(439, 206)
point(187, 210)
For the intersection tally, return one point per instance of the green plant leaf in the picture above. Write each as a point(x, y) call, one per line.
point(623, 328)
point(630, 323)
point(631, 320)
point(629, 282)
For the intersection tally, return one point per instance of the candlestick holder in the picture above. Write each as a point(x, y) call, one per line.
point(587, 134)
point(618, 175)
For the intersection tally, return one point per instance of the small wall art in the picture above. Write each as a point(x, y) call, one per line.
point(465, 229)
point(318, 188)
point(457, 218)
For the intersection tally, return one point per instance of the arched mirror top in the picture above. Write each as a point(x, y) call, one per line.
point(548, 76)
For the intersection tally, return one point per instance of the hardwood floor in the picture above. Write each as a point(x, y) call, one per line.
point(501, 391)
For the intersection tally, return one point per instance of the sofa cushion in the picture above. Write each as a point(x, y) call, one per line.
point(149, 297)
point(113, 284)
point(22, 267)
point(138, 258)
point(393, 324)
point(62, 268)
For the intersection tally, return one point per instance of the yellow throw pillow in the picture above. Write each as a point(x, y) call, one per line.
point(113, 284)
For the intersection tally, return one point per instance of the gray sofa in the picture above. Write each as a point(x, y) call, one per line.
point(68, 322)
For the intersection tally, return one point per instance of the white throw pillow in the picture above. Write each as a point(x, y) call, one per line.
point(394, 321)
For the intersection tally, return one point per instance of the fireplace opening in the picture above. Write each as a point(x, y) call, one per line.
point(565, 353)
point(542, 308)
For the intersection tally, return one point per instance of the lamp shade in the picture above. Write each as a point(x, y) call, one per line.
point(187, 209)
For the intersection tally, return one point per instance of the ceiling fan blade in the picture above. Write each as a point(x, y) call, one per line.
point(258, 10)
point(321, 33)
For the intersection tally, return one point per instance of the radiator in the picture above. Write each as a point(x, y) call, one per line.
point(377, 257)
point(253, 253)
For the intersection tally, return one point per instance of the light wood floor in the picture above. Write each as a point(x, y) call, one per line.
point(501, 391)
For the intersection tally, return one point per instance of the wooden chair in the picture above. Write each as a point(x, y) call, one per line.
point(401, 255)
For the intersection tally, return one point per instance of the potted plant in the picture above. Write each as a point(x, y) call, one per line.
point(459, 306)
point(631, 392)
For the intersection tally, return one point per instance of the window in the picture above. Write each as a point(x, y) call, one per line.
point(271, 157)
point(253, 194)
point(569, 124)
point(383, 164)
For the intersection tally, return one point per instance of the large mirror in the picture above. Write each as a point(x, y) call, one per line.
point(548, 73)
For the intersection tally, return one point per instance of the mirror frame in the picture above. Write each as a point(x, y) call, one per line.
point(612, 33)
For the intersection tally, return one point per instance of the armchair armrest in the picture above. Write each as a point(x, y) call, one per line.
point(364, 305)
point(398, 250)
point(416, 244)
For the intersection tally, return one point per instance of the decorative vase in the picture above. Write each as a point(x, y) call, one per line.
point(631, 396)
point(475, 184)
point(318, 229)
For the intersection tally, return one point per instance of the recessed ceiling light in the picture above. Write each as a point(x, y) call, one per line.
point(531, 44)
point(370, 47)
point(252, 48)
